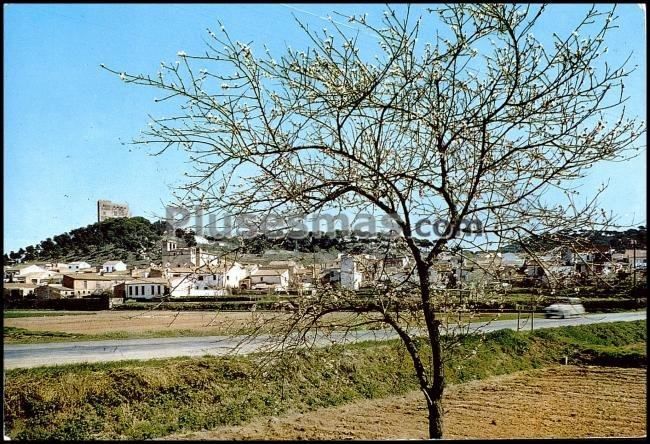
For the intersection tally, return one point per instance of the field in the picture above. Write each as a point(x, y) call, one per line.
point(10, 314)
point(565, 401)
point(160, 397)
point(68, 326)
point(134, 321)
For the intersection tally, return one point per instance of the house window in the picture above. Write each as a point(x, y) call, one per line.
point(143, 290)
point(200, 278)
point(136, 291)
point(214, 277)
point(153, 291)
point(130, 291)
point(158, 289)
point(261, 278)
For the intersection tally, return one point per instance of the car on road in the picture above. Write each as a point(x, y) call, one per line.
point(565, 308)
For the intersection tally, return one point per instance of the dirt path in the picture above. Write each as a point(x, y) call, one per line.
point(567, 401)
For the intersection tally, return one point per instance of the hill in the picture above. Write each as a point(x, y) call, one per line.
point(128, 239)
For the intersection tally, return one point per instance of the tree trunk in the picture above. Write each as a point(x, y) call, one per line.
point(437, 383)
point(434, 398)
point(435, 416)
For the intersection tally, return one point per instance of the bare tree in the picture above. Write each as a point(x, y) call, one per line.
point(482, 122)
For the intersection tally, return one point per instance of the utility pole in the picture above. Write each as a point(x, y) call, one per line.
point(633, 263)
point(532, 319)
point(518, 315)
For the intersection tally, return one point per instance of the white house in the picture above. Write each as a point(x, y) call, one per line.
point(112, 266)
point(512, 260)
point(234, 275)
point(57, 266)
point(265, 278)
point(31, 269)
point(173, 255)
point(205, 281)
point(350, 276)
point(78, 265)
point(144, 288)
point(41, 277)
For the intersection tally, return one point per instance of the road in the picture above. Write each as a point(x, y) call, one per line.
point(35, 355)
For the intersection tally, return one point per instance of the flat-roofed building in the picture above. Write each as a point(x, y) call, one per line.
point(53, 291)
point(107, 209)
point(142, 288)
point(18, 290)
point(270, 278)
point(85, 284)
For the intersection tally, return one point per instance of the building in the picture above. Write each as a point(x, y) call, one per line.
point(289, 265)
point(205, 281)
point(18, 290)
point(276, 279)
point(78, 266)
point(142, 288)
point(85, 284)
point(638, 256)
point(396, 262)
point(59, 267)
point(330, 276)
point(175, 255)
point(42, 277)
point(113, 266)
point(107, 209)
point(18, 273)
point(53, 291)
point(350, 276)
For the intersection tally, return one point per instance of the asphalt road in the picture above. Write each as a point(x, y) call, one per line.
point(35, 355)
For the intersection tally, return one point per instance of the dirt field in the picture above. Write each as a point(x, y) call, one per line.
point(566, 401)
point(138, 321)
point(133, 322)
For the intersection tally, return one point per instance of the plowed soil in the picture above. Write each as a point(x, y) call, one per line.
point(565, 401)
point(140, 321)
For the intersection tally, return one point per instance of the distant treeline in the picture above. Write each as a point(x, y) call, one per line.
point(584, 239)
point(355, 242)
point(136, 236)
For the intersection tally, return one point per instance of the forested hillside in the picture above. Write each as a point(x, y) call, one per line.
point(127, 239)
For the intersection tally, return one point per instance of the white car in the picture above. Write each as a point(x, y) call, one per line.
point(566, 308)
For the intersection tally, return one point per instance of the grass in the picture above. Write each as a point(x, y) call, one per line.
point(15, 335)
point(9, 314)
point(148, 399)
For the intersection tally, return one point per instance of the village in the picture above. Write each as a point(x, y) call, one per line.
point(194, 272)
point(384, 221)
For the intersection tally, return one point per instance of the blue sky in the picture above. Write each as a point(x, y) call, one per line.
point(66, 119)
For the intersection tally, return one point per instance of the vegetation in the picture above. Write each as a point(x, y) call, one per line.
point(148, 399)
point(126, 239)
point(9, 314)
point(13, 335)
point(610, 239)
point(123, 246)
